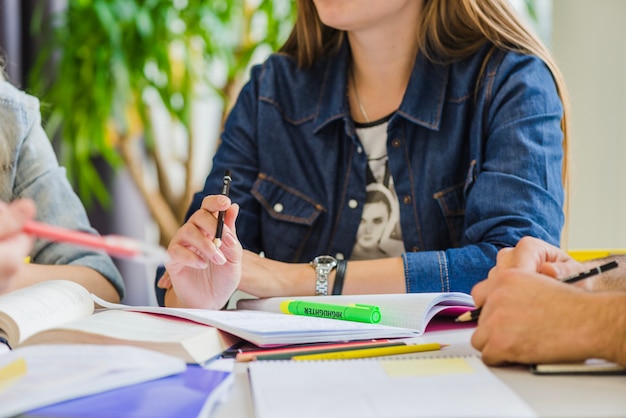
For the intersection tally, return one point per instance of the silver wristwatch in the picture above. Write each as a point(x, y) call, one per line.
point(323, 265)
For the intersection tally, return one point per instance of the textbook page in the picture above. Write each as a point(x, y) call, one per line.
point(409, 310)
point(62, 312)
point(44, 305)
point(193, 342)
point(459, 386)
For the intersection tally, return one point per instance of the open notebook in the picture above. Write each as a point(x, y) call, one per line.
point(417, 311)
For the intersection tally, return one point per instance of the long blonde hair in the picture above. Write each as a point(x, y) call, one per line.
point(448, 30)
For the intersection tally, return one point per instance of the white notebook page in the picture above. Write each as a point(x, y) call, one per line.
point(375, 388)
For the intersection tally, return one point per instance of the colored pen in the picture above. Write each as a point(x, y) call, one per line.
point(354, 312)
point(115, 245)
point(220, 218)
point(372, 352)
point(591, 272)
point(474, 314)
point(249, 355)
point(289, 353)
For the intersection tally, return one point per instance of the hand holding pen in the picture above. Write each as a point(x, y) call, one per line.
point(530, 255)
point(473, 315)
point(200, 274)
point(530, 317)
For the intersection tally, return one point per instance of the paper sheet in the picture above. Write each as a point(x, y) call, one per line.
point(382, 388)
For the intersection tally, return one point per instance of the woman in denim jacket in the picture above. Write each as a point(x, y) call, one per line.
point(30, 170)
point(452, 105)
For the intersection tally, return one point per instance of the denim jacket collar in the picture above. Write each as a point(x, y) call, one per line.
point(423, 106)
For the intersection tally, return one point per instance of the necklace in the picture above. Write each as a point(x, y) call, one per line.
point(358, 99)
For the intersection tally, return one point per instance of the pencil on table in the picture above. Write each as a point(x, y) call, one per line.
point(371, 352)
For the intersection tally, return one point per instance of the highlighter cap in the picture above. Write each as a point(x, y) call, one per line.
point(363, 313)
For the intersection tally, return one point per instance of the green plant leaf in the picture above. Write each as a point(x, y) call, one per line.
point(105, 55)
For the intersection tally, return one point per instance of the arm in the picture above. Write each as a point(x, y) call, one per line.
point(263, 277)
point(89, 278)
point(610, 280)
point(515, 188)
point(38, 176)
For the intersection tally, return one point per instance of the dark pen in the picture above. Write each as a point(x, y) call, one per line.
point(475, 313)
point(220, 218)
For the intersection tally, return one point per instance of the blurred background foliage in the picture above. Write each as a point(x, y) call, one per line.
point(106, 66)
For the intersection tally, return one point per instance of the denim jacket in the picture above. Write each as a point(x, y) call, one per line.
point(476, 162)
point(29, 169)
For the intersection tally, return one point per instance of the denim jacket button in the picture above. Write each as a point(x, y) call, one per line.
point(353, 204)
point(396, 143)
point(406, 199)
point(278, 208)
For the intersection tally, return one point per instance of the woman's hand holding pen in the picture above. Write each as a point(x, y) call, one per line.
point(200, 275)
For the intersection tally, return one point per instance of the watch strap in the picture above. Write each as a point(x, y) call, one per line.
point(321, 285)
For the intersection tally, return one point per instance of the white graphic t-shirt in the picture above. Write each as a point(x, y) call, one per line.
point(379, 234)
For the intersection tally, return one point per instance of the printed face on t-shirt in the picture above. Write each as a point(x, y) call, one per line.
point(373, 223)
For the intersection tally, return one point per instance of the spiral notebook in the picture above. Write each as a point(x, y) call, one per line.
point(458, 386)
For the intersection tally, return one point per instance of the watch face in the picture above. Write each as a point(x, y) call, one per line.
point(325, 260)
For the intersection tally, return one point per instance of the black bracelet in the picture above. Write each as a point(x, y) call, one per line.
point(339, 276)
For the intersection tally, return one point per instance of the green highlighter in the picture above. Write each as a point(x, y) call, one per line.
point(353, 312)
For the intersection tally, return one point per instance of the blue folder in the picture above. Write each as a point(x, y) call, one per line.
point(180, 395)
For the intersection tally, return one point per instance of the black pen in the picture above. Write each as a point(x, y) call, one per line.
point(220, 218)
point(592, 272)
point(475, 313)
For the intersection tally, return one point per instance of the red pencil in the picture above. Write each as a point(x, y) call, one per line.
point(288, 352)
point(115, 245)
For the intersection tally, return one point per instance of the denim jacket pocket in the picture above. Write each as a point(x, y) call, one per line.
point(451, 202)
point(288, 215)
